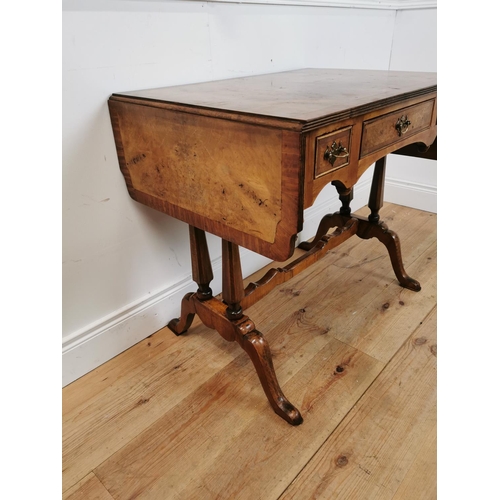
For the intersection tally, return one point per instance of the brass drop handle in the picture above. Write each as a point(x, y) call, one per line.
point(402, 125)
point(335, 151)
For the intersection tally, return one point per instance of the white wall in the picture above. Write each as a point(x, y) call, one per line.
point(125, 266)
point(413, 181)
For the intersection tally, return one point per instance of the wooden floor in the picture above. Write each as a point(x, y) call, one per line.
point(185, 417)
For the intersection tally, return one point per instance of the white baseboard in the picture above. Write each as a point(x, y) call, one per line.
point(97, 343)
point(411, 194)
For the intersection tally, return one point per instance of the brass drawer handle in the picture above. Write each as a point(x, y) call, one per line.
point(402, 125)
point(335, 151)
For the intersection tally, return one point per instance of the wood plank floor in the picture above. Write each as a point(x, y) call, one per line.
point(186, 418)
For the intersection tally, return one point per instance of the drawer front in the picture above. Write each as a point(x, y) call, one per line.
point(332, 151)
point(394, 127)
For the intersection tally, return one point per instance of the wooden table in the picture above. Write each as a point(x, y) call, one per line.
point(243, 158)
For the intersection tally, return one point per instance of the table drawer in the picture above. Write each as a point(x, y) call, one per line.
point(394, 127)
point(332, 151)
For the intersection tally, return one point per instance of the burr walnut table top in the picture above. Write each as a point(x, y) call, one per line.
point(305, 95)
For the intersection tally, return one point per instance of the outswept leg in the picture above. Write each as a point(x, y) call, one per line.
point(181, 325)
point(391, 241)
point(258, 349)
point(212, 313)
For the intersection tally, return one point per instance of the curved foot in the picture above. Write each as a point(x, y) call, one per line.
point(257, 348)
point(411, 284)
point(391, 241)
point(327, 222)
point(182, 324)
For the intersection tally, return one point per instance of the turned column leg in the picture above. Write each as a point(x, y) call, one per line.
point(202, 275)
point(200, 263)
point(376, 199)
point(233, 291)
point(345, 195)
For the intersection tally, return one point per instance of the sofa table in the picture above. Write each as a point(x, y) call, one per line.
point(242, 159)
